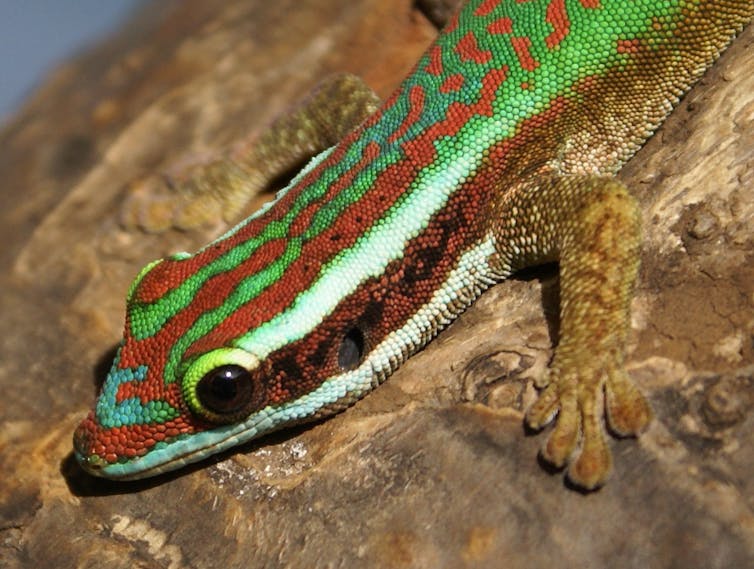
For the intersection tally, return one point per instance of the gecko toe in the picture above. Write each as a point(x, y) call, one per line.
point(593, 465)
point(628, 411)
point(565, 435)
point(544, 409)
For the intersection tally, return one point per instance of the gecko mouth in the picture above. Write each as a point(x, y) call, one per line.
point(92, 443)
point(127, 468)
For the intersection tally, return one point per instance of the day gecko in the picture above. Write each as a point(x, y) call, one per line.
point(496, 153)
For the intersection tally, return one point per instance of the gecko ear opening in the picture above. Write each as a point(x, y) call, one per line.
point(224, 386)
point(352, 349)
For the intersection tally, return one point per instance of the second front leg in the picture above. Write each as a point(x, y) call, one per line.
point(591, 226)
point(199, 190)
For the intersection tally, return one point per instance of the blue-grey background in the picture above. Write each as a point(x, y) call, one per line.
point(36, 34)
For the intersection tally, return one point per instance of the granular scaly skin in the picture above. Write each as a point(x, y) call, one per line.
point(496, 153)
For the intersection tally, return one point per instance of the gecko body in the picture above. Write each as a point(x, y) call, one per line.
point(496, 153)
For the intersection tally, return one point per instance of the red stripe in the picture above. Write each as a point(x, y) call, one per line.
point(452, 24)
point(557, 17)
point(434, 67)
point(500, 26)
point(422, 150)
point(521, 46)
point(468, 50)
point(452, 83)
point(486, 7)
point(415, 110)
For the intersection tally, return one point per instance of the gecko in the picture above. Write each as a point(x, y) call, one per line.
point(498, 152)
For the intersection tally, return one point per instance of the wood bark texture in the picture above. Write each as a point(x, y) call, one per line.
point(434, 469)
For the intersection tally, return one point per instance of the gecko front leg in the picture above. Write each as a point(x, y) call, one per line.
point(591, 226)
point(201, 189)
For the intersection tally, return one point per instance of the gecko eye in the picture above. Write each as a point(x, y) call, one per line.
point(224, 386)
point(226, 390)
point(352, 348)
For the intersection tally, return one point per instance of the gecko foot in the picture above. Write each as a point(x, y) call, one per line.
point(196, 191)
point(579, 399)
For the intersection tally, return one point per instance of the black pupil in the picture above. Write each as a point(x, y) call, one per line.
point(351, 350)
point(226, 389)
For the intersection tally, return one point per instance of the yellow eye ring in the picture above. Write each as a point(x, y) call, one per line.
point(223, 386)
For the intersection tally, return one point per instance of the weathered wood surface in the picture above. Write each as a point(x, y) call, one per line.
point(433, 469)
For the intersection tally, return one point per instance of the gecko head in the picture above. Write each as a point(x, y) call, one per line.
point(206, 363)
point(157, 398)
point(141, 426)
